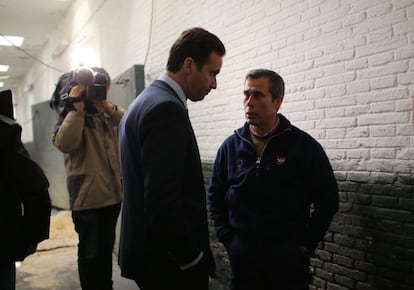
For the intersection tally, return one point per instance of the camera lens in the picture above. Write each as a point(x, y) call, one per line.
point(84, 76)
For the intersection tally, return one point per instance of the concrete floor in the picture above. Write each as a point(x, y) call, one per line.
point(54, 266)
point(57, 269)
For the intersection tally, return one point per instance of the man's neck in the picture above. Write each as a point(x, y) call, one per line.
point(178, 79)
point(263, 132)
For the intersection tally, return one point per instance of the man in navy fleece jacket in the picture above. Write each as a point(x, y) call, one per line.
point(267, 177)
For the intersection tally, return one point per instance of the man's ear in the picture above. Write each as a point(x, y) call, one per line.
point(278, 102)
point(188, 64)
point(281, 100)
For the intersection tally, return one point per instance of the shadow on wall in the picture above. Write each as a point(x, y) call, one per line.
point(371, 240)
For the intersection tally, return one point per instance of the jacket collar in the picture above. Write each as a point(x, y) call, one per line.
point(284, 125)
point(174, 87)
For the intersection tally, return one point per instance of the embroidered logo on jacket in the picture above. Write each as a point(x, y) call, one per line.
point(239, 165)
point(280, 160)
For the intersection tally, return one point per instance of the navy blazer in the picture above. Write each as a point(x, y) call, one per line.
point(164, 206)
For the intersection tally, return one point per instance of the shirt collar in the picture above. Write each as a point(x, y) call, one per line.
point(175, 86)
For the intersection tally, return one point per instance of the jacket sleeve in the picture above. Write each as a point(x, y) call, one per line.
point(165, 138)
point(31, 186)
point(324, 196)
point(217, 189)
point(69, 132)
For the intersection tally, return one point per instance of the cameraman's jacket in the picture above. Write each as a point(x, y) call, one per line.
point(90, 146)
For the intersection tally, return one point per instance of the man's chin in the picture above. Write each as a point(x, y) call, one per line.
point(197, 99)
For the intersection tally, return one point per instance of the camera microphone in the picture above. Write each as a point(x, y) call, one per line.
point(84, 76)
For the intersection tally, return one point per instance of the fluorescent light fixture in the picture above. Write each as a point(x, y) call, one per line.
point(1, 84)
point(8, 40)
point(4, 77)
point(4, 68)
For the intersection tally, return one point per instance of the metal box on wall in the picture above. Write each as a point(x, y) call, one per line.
point(47, 155)
point(127, 86)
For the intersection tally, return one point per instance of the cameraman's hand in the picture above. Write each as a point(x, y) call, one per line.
point(75, 92)
point(104, 104)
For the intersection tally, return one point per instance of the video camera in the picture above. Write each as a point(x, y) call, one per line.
point(95, 80)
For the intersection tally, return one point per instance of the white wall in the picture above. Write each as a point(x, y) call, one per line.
point(348, 67)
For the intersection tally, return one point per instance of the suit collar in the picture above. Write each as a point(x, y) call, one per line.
point(175, 87)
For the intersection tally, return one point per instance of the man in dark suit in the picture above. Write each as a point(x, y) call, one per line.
point(164, 234)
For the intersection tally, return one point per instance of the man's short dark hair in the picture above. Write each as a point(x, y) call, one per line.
point(196, 43)
point(276, 83)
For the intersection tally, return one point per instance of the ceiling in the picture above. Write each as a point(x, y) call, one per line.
point(35, 20)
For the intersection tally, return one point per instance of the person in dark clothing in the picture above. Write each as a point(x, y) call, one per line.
point(164, 241)
point(25, 203)
point(266, 178)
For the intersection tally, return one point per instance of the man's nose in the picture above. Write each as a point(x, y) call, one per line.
point(213, 84)
point(248, 101)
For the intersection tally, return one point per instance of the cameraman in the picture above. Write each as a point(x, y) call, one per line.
point(88, 137)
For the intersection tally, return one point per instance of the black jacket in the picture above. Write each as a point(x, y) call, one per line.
point(270, 196)
point(25, 204)
point(164, 208)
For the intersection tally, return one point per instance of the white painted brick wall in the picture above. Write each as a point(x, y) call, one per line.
point(348, 66)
